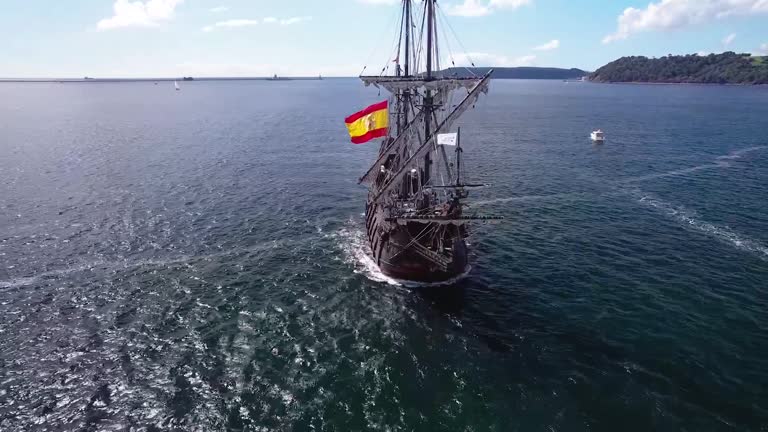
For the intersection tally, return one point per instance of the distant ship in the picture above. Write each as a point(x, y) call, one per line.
point(187, 79)
point(415, 216)
point(176, 84)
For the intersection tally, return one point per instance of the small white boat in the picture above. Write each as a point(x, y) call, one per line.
point(176, 84)
point(597, 136)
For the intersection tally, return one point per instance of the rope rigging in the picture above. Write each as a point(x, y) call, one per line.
point(447, 24)
point(389, 23)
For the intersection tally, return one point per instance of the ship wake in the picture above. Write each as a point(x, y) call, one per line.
point(691, 220)
point(127, 265)
point(724, 161)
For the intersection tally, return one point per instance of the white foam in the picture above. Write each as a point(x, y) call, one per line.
point(721, 233)
point(415, 284)
point(356, 252)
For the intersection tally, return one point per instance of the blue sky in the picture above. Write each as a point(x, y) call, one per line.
point(133, 38)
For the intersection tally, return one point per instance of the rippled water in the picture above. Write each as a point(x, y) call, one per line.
point(194, 260)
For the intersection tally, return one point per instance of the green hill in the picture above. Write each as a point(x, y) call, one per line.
point(517, 72)
point(725, 68)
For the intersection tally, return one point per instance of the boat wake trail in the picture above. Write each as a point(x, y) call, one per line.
point(720, 162)
point(690, 219)
point(739, 153)
point(531, 198)
point(724, 161)
point(90, 267)
point(675, 173)
point(30, 280)
point(115, 266)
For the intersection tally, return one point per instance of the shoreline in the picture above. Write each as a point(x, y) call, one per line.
point(678, 83)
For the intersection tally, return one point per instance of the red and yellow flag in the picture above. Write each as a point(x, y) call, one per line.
point(369, 123)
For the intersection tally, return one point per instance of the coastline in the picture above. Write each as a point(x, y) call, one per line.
point(678, 83)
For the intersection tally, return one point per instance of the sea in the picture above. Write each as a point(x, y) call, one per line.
point(195, 260)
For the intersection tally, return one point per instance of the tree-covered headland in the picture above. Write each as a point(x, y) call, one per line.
point(724, 68)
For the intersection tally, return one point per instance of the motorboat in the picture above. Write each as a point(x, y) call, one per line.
point(597, 136)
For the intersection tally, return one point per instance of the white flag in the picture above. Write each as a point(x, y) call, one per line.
point(447, 139)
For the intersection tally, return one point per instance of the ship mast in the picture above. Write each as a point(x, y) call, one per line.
point(407, 40)
point(428, 94)
point(406, 96)
point(458, 156)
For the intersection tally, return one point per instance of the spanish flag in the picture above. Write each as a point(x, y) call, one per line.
point(369, 123)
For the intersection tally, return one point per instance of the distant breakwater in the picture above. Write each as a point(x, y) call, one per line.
point(108, 80)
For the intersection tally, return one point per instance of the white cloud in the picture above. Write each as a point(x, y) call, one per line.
point(219, 9)
point(763, 50)
point(488, 59)
point(476, 8)
point(511, 4)
point(675, 14)
point(379, 2)
point(293, 20)
point(253, 22)
point(470, 8)
point(729, 39)
point(287, 21)
point(551, 45)
point(147, 13)
point(231, 23)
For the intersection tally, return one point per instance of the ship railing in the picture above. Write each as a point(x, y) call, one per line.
point(444, 220)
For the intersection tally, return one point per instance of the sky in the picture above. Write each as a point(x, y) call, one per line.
point(173, 38)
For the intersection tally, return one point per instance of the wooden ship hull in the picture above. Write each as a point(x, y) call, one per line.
point(402, 254)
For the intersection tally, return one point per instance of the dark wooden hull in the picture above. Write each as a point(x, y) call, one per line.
point(395, 252)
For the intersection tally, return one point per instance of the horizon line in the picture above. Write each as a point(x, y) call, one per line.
point(181, 78)
point(200, 78)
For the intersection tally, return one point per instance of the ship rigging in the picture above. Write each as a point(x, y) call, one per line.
point(416, 215)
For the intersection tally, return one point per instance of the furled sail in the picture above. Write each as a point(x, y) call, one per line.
point(469, 100)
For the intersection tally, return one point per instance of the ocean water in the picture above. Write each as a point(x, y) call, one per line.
point(195, 260)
